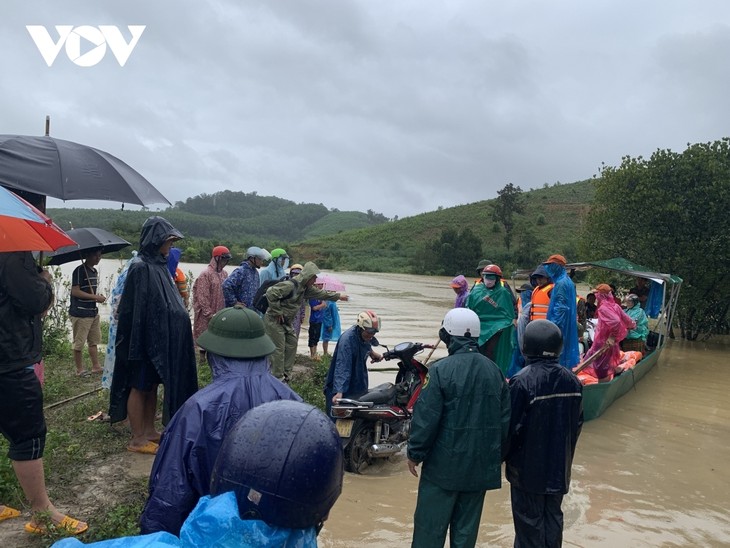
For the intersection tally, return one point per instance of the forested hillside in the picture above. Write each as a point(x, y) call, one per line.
point(515, 230)
point(236, 219)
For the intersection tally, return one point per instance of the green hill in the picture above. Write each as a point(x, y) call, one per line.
point(551, 223)
point(353, 240)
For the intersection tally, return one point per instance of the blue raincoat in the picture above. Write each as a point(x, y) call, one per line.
point(181, 472)
point(213, 522)
point(562, 312)
point(348, 372)
point(241, 285)
point(331, 328)
point(275, 270)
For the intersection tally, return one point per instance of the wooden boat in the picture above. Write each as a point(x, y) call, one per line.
point(660, 308)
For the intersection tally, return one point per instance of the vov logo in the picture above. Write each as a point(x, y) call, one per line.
point(96, 40)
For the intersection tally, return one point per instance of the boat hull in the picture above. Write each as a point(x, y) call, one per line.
point(599, 397)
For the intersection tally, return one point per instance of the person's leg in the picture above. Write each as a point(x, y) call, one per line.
point(276, 334)
point(80, 330)
point(553, 520)
point(465, 519)
point(33, 482)
point(93, 340)
point(150, 412)
point(313, 339)
point(325, 346)
point(22, 423)
point(527, 513)
point(434, 507)
point(290, 349)
point(137, 411)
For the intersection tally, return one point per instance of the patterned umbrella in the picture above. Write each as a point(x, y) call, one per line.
point(24, 228)
point(330, 283)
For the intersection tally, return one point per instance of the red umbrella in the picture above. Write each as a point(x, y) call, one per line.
point(24, 228)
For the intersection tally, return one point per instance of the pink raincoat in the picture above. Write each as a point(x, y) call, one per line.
point(207, 297)
point(614, 323)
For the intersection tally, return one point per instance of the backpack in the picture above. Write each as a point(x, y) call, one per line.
point(261, 301)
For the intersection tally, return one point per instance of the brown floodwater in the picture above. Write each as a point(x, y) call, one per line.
point(649, 472)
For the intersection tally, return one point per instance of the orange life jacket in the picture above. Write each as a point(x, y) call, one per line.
point(540, 302)
point(181, 282)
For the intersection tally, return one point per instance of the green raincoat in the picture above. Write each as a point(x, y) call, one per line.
point(461, 420)
point(496, 312)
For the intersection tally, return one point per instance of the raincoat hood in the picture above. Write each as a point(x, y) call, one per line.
point(460, 283)
point(461, 343)
point(553, 270)
point(155, 231)
point(309, 271)
point(173, 259)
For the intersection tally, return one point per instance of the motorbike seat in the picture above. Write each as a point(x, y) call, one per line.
point(383, 393)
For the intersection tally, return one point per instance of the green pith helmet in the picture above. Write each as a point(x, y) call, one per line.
point(278, 252)
point(482, 264)
point(236, 332)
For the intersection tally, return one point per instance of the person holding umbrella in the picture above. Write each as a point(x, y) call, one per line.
point(83, 311)
point(26, 293)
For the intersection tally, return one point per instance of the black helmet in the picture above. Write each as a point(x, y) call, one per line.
point(283, 459)
point(542, 339)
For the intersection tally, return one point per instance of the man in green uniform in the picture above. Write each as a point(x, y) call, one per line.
point(285, 301)
point(460, 423)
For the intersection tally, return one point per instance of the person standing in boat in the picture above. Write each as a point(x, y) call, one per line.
point(494, 306)
point(562, 310)
point(613, 325)
point(546, 420)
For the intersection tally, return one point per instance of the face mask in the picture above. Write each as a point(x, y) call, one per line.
point(444, 336)
point(489, 281)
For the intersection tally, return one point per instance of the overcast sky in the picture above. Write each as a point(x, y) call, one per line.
point(399, 106)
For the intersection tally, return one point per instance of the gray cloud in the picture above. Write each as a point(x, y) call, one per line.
point(398, 107)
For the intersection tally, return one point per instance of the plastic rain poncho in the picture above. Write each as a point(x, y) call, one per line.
point(613, 323)
point(153, 326)
point(496, 312)
point(184, 462)
point(563, 313)
point(461, 286)
point(214, 522)
point(641, 331)
point(116, 295)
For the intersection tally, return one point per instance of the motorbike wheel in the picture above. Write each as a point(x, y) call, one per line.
point(356, 452)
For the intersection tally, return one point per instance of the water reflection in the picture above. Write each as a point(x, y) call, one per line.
point(652, 471)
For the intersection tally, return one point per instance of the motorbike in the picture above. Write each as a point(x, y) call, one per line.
point(377, 424)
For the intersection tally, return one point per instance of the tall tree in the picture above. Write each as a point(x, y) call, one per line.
point(670, 213)
point(509, 202)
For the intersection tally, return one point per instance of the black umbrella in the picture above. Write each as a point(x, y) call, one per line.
point(87, 238)
point(71, 171)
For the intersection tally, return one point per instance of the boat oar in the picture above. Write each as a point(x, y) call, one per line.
point(435, 346)
point(594, 357)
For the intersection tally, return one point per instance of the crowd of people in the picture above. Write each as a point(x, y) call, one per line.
point(506, 392)
point(600, 324)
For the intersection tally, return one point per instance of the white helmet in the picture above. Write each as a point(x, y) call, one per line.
point(369, 321)
point(258, 253)
point(461, 322)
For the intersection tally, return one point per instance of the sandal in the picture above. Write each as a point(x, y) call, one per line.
point(149, 448)
point(8, 513)
point(83, 374)
point(69, 525)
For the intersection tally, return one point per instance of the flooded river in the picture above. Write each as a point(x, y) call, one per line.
point(649, 472)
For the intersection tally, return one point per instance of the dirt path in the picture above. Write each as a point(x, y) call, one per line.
point(97, 488)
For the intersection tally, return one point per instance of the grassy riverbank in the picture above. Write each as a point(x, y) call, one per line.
point(89, 473)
